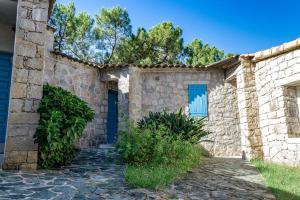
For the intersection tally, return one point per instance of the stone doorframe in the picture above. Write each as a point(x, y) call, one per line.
point(118, 80)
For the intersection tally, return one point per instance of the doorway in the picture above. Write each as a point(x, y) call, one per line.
point(112, 117)
point(5, 78)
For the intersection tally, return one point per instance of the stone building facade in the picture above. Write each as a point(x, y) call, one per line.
point(252, 100)
point(271, 108)
point(26, 84)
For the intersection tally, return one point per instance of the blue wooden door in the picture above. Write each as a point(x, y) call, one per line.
point(112, 117)
point(5, 77)
point(198, 100)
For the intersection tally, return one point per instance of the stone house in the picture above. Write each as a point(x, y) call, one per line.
point(251, 102)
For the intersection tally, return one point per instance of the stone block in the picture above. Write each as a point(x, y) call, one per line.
point(35, 105)
point(35, 77)
point(28, 105)
point(19, 90)
point(20, 130)
point(27, 25)
point(19, 62)
point(34, 63)
point(26, 49)
point(39, 14)
point(28, 166)
point(21, 75)
point(40, 27)
point(35, 92)
point(32, 157)
point(15, 157)
point(16, 105)
point(24, 118)
point(21, 143)
point(37, 38)
point(40, 51)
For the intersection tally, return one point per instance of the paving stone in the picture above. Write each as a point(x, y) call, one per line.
point(99, 174)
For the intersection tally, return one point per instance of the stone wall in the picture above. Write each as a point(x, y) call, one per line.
point(278, 111)
point(168, 89)
point(26, 87)
point(251, 142)
point(267, 83)
point(91, 84)
point(135, 94)
point(85, 82)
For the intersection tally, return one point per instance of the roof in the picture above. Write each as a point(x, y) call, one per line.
point(223, 64)
point(274, 51)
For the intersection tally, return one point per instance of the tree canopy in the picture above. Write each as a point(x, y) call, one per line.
point(112, 25)
point(73, 31)
point(108, 38)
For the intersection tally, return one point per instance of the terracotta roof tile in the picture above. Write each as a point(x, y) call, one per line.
point(223, 64)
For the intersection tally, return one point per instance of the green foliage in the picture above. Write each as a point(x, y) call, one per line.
point(283, 180)
point(73, 33)
point(155, 175)
point(198, 53)
point(160, 148)
point(112, 25)
point(63, 118)
point(161, 44)
point(155, 157)
point(179, 124)
point(110, 39)
point(152, 145)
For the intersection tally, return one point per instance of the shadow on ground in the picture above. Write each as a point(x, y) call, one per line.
point(98, 174)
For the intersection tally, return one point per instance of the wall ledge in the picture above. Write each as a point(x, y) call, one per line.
point(272, 52)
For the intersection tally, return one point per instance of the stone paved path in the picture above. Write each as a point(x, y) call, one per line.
point(99, 175)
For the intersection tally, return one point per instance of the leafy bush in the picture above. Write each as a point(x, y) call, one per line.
point(155, 157)
point(63, 118)
point(189, 129)
point(151, 145)
point(161, 137)
point(156, 175)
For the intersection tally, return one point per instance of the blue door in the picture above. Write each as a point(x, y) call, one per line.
point(5, 77)
point(112, 117)
point(198, 100)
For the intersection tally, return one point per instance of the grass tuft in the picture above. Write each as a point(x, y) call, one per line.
point(284, 181)
point(156, 176)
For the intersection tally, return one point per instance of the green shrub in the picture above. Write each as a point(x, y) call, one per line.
point(160, 148)
point(155, 157)
point(63, 118)
point(151, 144)
point(156, 175)
point(187, 128)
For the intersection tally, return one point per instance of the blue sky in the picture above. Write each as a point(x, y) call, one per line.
point(239, 26)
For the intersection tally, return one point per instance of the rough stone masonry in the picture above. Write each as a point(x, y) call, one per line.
point(253, 100)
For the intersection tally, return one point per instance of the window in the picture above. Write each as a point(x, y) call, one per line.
point(292, 105)
point(198, 100)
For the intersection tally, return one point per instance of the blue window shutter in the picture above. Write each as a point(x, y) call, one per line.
point(198, 100)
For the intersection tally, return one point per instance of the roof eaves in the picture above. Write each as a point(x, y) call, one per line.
point(223, 64)
point(226, 63)
point(272, 52)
